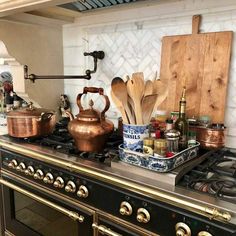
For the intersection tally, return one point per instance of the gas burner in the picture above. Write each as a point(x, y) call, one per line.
point(224, 187)
point(215, 175)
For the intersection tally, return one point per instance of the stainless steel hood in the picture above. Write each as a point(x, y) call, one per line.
point(85, 5)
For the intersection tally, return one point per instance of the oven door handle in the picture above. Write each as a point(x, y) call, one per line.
point(104, 230)
point(73, 215)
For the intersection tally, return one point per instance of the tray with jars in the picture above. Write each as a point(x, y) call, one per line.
point(158, 163)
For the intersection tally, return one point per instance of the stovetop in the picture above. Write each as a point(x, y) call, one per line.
point(61, 141)
point(216, 176)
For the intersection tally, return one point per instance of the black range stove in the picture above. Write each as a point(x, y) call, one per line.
point(216, 175)
point(50, 170)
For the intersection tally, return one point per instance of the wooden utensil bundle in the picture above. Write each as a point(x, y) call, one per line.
point(137, 99)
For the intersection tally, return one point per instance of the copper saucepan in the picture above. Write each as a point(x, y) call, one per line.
point(210, 138)
point(30, 122)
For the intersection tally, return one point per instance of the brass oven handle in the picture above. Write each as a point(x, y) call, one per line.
point(73, 215)
point(104, 230)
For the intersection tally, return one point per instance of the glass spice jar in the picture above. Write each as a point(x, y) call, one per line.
point(160, 147)
point(148, 146)
point(172, 139)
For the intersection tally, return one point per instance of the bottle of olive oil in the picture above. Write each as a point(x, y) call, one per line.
point(181, 123)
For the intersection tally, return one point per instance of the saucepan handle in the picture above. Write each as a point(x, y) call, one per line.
point(46, 116)
point(94, 90)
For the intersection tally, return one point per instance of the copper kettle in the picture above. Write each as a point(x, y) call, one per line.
point(90, 129)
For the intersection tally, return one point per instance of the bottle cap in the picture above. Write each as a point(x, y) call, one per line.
point(169, 121)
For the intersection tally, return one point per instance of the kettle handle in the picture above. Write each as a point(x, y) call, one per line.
point(94, 90)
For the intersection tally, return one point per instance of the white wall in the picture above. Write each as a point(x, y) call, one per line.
point(131, 40)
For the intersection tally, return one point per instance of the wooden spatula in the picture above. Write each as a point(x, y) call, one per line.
point(119, 90)
point(120, 107)
point(148, 104)
point(135, 88)
point(148, 88)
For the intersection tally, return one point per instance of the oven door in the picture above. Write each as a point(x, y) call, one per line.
point(28, 212)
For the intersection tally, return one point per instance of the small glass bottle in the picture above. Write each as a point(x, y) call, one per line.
point(169, 124)
point(191, 138)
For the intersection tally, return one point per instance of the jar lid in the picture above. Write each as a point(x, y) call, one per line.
point(148, 141)
point(172, 134)
point(161, 112)
point(169, 121)
point(160, 143)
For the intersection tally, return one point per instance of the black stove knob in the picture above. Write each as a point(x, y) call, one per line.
point(39, 174)
point(182, 229)
point(70, 187)
point(83, 192)
point(21, 167)
point(29, 171)
point(48, 179)
point(12, 164)
point(59, 182)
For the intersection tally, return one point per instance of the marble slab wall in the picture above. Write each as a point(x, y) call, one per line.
point(135, 45)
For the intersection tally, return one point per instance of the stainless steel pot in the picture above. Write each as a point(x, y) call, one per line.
point(30, 122)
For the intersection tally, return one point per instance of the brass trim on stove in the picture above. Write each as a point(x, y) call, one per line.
point(7, 233)
point(97, 213)
point(104, 230)
point(211, 213)
point(73, 215)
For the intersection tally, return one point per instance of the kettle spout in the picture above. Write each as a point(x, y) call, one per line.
point(70, 115)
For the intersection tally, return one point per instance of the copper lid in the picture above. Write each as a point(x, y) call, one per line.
point(29, 111)
point(89, 114)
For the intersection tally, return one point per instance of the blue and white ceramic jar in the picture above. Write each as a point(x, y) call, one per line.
point(133, 136)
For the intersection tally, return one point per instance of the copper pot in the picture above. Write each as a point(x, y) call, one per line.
point(30, 122)
point(210, 138)
point(90, 129)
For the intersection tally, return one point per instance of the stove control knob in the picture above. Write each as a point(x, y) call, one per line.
point(48, 179)
point(143, 216)
point(83, 192)
point(39, 174)
point(182, 229)
point(204, 233)
point(125, 209)
point(70, 187)
point(59, 182)
point(21, 167)
point(12, 164)
point(29, 171)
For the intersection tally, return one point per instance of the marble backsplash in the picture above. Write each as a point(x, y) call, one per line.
point(136, 46)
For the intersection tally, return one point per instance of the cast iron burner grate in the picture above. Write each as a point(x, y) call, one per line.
point(216, 175)
point(63, 142)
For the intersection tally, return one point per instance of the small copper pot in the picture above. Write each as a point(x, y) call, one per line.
point(210, 138)
point(90, 129)
point(30, 122)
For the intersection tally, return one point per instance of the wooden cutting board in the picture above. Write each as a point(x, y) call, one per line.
point(199, 61)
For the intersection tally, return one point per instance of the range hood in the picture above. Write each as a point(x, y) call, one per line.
point(85, 5)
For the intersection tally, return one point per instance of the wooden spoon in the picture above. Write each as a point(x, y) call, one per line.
point(120, 107)
point(119, 90)
point(148, 104)
point(148, 88)
point(161, 98)
point(135, 88)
